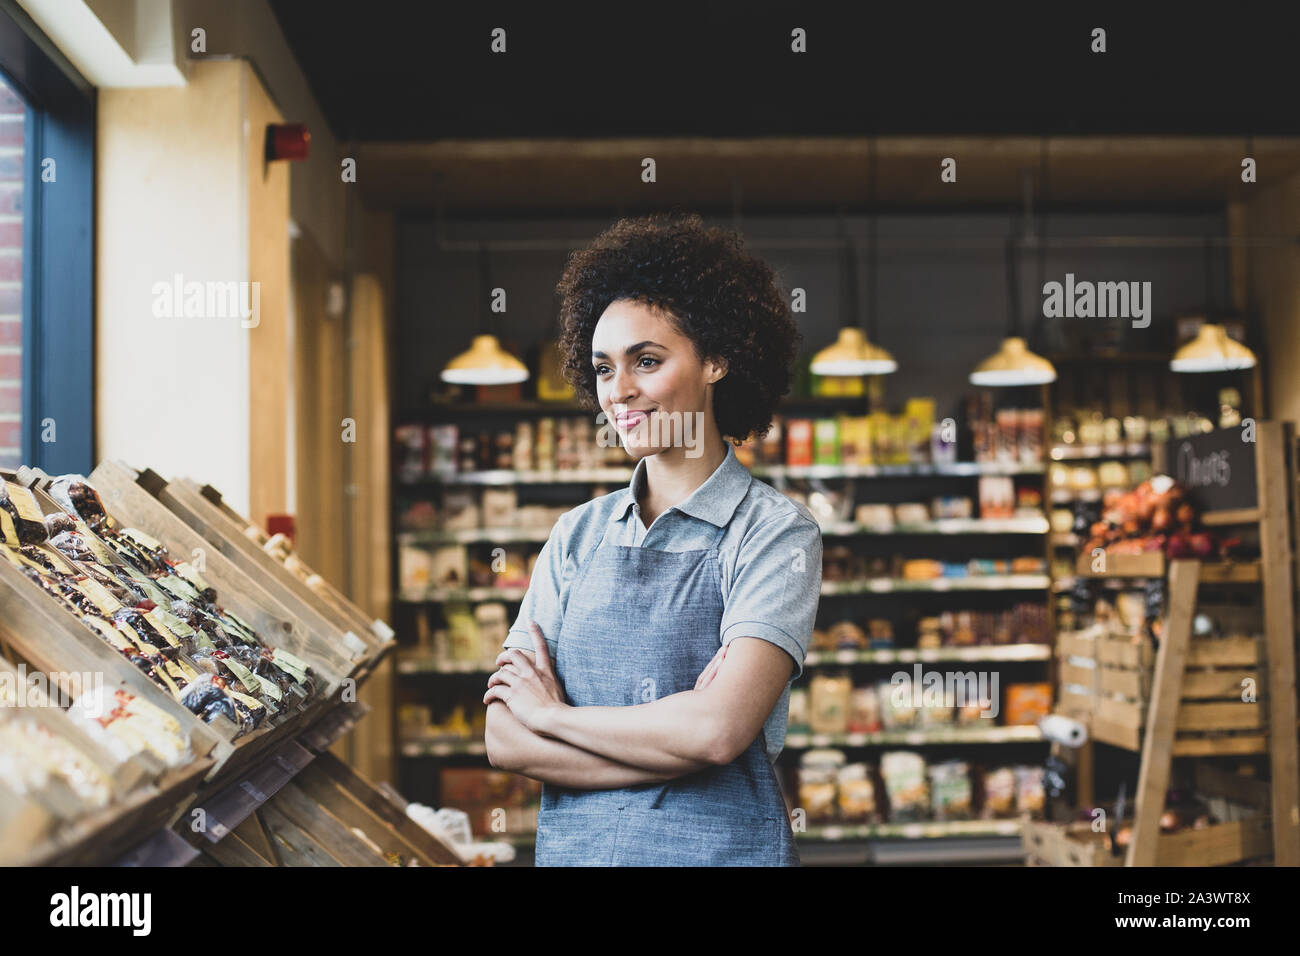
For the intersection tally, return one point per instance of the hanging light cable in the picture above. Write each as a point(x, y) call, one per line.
point(1213, 350)
point(852, 353)
point(485, 362)
point(1013, 363)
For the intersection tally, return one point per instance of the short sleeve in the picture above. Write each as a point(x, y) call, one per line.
point(541, 601)
point(776, 585)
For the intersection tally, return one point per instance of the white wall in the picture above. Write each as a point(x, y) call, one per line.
point(173, 393)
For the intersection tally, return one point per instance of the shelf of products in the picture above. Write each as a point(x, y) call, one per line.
point(1098, 453)
point(135, 682)
point(579, 449)
point(988, 582)
point(917, 738)
point(428, 664)
point(943, 829)
point(474, 503)
point(623, 475)
point(904, 795)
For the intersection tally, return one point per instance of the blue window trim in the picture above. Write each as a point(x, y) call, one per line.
point(58, 360)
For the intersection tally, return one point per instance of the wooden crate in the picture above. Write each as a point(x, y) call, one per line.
point(1220, 844)
point(1150, 564)
point(1077, 674)
point(362, 640)
point(45, 635)
point(1212, 717)
point(247, 596)
point(39, 632)
point(329, 815)
point(146, 795)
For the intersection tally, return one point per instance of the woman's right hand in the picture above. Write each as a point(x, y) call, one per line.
point(706, 676)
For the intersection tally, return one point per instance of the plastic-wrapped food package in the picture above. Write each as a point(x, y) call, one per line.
point(897, 709)
point(1029, 790)
point(75, 496)
point(818, 770)
point(126, 725)
point(1000, 793)
point(31, 757)
point(857, 794)
point(206, 697)
point(950, 790)
point(21, 519)
point(903, 773)
point(210, 696)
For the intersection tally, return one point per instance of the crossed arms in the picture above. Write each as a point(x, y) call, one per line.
point(531, 730)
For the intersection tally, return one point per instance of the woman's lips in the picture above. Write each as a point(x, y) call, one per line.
point(629, 419)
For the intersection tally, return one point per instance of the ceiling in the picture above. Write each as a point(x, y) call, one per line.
point(564, 118)
point(420, 71)
point(779, 174)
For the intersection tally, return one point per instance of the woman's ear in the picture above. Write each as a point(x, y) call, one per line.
point(715, 369)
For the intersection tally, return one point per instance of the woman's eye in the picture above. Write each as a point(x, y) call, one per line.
point(602, 369)
point(645, 359)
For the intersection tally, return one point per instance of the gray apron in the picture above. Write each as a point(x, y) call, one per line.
point(640, 624)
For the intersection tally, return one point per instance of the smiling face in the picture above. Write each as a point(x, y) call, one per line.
point(653, 387)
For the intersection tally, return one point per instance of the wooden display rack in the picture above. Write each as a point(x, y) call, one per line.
point(1188, 701)
point(40, 632)
point(326, 815)
point(329, 815)
point(44, 635)
point(145, 796)
point(203, 509)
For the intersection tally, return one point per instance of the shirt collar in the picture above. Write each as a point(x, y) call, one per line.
point(715, 501)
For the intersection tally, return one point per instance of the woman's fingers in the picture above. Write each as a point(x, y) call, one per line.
point(518, 659)
point(543, 654)
point(706, 676)
point(505, 675)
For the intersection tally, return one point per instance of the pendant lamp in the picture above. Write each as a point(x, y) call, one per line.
point(852, 353)
point(1013, 363)
point(1213, 350)
point(485, 362)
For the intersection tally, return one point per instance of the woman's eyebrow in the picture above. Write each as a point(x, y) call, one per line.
point(631, 349)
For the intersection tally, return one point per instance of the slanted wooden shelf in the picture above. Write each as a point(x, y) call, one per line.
point(1163, 717)
point(1187, 699)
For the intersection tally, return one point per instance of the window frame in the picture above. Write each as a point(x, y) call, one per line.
point(58, 338)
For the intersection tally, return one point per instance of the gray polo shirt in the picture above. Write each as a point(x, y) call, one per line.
point(769, 561)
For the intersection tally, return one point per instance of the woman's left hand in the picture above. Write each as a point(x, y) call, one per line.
point(529, 688)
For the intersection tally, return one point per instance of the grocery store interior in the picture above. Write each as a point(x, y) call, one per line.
point(1081, 502)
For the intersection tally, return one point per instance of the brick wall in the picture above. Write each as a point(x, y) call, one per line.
point(12, 113)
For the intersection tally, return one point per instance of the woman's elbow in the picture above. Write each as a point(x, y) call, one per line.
point(724, 745)
point(497, 744)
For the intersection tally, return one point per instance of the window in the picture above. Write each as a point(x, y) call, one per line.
point(46, 252)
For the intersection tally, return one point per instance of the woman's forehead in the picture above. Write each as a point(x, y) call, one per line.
point(625, 323)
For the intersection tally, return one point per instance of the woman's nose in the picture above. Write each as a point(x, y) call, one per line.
point(623, 388)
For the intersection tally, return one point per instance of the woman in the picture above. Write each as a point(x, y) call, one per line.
point(672, 614)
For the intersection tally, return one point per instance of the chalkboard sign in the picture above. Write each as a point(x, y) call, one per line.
point(1217, 469)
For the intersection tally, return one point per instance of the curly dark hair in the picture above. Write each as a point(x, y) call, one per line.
point(725, 300)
